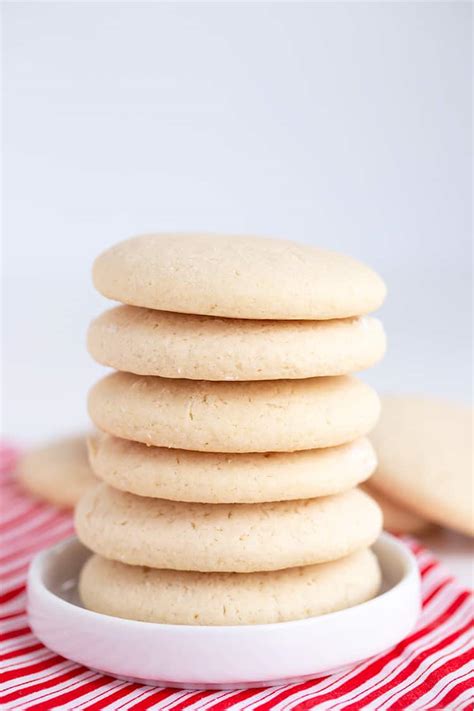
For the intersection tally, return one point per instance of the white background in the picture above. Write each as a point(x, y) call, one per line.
point(345, 125)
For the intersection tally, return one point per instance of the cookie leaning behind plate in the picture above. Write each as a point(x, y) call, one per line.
point(267, 416)
point(57, 472)
point(171, 345)
point(396, 518)
point(187, 598)
point(236, 276)
point(208, 477)
point(424, 448)
point(225, 537)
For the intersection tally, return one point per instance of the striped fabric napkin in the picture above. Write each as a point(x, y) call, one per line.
point(431, 669)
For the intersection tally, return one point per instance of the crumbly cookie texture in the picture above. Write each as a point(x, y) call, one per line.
point(267, 416)
point(225, 537)
point(187, 598)
point(173, 345)
point(208, 477)
point(237, 277)
point(57, 472)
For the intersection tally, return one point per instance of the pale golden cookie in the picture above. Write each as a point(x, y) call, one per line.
point(396, 518)
point(236, 276)
point(208, 477)
point(57, 472)
point(239, 538)
point(174, 345)
point(268, 416)
point(424, 448)
point(188, 598)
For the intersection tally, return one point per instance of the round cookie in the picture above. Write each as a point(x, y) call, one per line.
point(424, 447)
point(189, 598)
point(173, 345)
point(58, 472)
point(267, 416)
point(237, 277)
point(239, 538)
point(395, 518)
point(209, 477)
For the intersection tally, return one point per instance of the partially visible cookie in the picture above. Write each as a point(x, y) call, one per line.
point(424, 447)
point(267, 416)
point(57, 472)
point(237, 277)
point(173, 345)
point(225, 537)
point(208, 477)
point(396, 518)
point(188, 598)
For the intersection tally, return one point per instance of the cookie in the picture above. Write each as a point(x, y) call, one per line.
point(173, 345)
point(397, 519)
point(424, 448)
point(268, 416)
point(207, 477)
point(237, 277)
point(239, 538)
point(189, 598)
point(58, 472)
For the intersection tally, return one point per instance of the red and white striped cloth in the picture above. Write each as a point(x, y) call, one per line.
point(431, 669)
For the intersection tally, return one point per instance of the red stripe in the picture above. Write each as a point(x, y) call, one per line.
point(11, 634)
point(239, 696)
point(435, 590)
point(285, 693)
point(447, 700)
point(5, 525)
point(26, 550)
point(64, 698)
point(53, 519)
point(428, 567)
point(379, 663)
point(154, 698)
point(12, 594)
point(32, 668)
point(111, 698)
point(408, 670)
point(192, 699)
point(414, 694)
point(42, 684)
point(11, 615)
point(19, 652)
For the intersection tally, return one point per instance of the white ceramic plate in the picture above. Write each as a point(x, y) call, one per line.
point(218, 657)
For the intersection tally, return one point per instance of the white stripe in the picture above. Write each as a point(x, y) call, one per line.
point(427, 666)
point(336, 681)
point(28, 526)
point(28, 658)
point(18, 642)
point(91, 696)
point(20, 509)
point(397, 665)
point(448, 683)
point(414, 649)
point(465, 696)
point(94, 697)
point(334, 684)
point(17, 684)
point(44, 694)
point(20, 550)
point(126, 701)
point(42, 540)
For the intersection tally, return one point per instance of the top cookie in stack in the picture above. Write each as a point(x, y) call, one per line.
point(234, 414)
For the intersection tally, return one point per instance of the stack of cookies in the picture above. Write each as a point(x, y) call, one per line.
point(232, 435)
